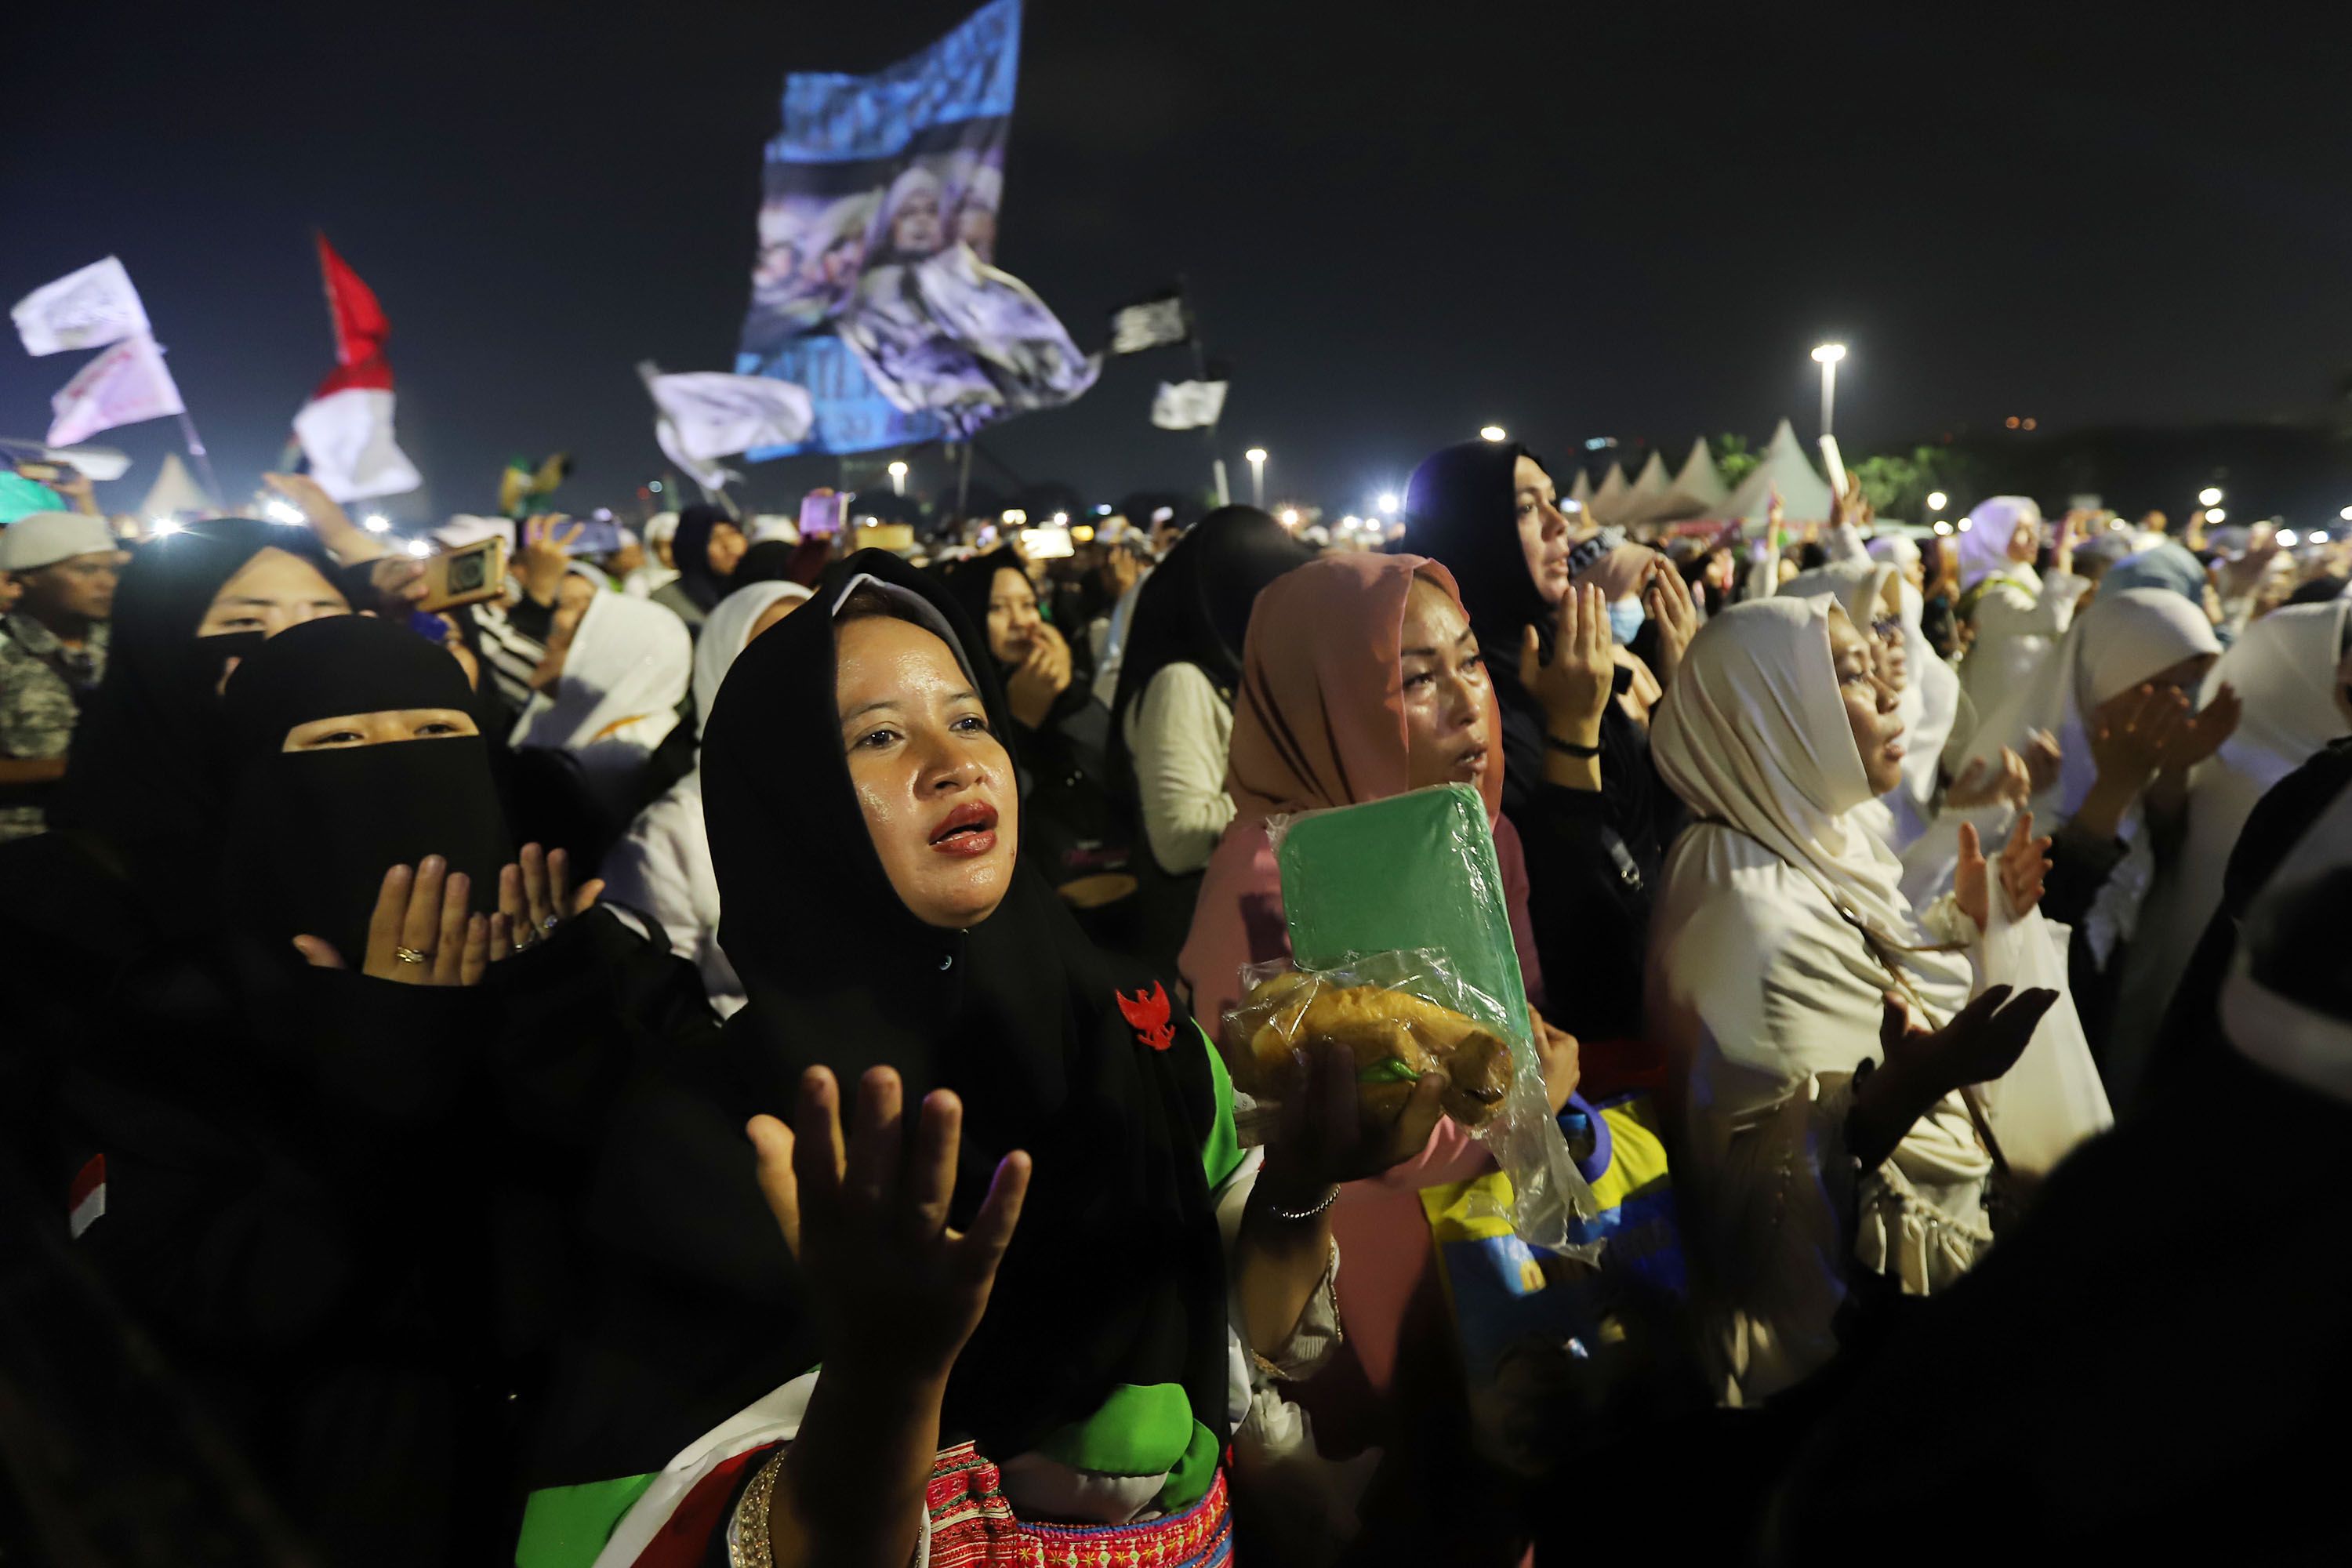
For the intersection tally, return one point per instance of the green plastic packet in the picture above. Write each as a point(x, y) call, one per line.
point(1418, 871)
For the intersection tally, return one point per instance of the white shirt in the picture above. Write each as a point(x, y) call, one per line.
point(1179, 733)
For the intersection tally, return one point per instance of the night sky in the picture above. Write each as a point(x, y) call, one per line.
point(1636, 226)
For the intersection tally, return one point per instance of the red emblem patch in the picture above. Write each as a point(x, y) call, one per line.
point(1147, 1013)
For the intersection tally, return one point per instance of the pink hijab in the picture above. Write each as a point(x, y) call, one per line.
point(1318, 721)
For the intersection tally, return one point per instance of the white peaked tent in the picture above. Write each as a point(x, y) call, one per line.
point(1608, 502)
point(1580, 493)
point(1698, 490)
point(1644, 501)
point(174, 492)
point(1785, 468)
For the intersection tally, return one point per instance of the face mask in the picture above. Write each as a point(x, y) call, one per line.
point(1625, 617)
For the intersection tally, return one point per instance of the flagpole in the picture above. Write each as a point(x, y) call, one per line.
point(1200, 369)
point(963, 483)
point(203, 461)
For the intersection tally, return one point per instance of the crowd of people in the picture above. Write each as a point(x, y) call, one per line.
point(711, 1053)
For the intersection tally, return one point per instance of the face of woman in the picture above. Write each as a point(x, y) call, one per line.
point(1869, 705)
point(1887, 640)
point(350, 730)
point(1012, 618)
point(1445, 701)
point(935, 785)
point(269, 593)
point(1543, 530)
point(726, 548)
point(2024, 541)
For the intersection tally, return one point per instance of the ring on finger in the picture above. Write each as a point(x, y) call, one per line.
point(410, 955)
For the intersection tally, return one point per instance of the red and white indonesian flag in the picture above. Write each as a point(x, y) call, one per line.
point(123, 386)
point(84, 309)
point(346, 428)
point(85, 1197)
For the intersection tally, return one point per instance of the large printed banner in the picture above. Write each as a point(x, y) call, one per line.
point(872, 178)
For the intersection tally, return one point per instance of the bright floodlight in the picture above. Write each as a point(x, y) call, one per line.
point(2215, 514)
point(418, 548)
point(2208, 496)
point(1965, 523)
point(1491, 432)
point(2289, 538)
point(2346, 514)
point(1943, 527)
point(1388, 503)
point(1289, 517)
point(1015, 516)
point(1829, 353)
point(279, 512)
point(376, 522)
point(1255, 454)
point(1936, 500)
point(1061, 519)
point(898, 471)
point(164, 525)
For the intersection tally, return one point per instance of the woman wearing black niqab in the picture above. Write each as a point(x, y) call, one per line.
point(1098, 1376)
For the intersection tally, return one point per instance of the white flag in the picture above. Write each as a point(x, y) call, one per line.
point(1150, 325)
point(123, 386)
point(347, 436)
point(707, 472)
point(84, 309)
point(1188, 405)
point(714, 415)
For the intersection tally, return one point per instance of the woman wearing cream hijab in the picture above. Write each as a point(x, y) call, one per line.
point(1827, 1149)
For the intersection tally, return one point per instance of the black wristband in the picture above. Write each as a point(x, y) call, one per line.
point(1570, 747)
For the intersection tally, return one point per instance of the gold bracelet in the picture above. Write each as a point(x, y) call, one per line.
point(747, 1537)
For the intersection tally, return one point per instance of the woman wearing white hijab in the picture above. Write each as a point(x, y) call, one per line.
point(1824, 1151)
point(607, 692)
point(2116, 696)
point(2289, 671)
point(2017, 612)
point(662, 866)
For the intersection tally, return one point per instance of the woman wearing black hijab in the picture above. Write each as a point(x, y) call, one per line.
point(1592, 814)
point(706, 548)
point(1059, 737)
point(856, 741)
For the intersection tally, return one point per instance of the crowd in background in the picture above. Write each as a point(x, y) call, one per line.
point(693, 1051)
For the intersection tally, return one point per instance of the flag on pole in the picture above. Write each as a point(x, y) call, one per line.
point(1150, 324)
point(84, 309)
point(123, 386)
point(1188, 405)
point(714, 415)
point(346, 428)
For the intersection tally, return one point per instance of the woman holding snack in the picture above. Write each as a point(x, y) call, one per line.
point(1011, 1264)
point(1821, 1034)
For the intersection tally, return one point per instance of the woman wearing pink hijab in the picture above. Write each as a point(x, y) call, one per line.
point(1361, 679)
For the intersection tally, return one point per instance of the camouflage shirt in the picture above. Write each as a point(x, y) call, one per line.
point(42, 682)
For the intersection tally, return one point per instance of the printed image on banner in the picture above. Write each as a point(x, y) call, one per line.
point(870, 177)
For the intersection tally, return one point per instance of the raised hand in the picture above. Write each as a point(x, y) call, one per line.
point(1983, 1041)
point(535, 896)
point(2200, 735)
point(1322, 1140)
point(2023, 869)
point(1666, 599)
point(544, 556)
point(888, 1282)
point(419, 933)
point(1575, 685)
point(2131, 733)
point(1040, 679)
point(1984, 783)
point(2041, 760)
point(1560, 1055)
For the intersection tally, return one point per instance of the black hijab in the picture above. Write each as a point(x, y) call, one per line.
point(690, 552)
point(972, 583)
point(1195, 608)
point(1461, 511)
point(311, 833)
point(146, 766)
point(1116, 1275)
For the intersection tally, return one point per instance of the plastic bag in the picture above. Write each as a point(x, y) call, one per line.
point(2052, 1099)
point(1415, 874)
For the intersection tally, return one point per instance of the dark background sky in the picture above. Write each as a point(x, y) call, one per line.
point(1573, 222)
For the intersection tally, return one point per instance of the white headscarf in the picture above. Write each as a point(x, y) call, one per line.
point(2121, 640)
point(1860, 586)
point(727, 633)
point(1768, 1000)
point(2282, 669)
point(1895, 549)
point(618, 696)
point(1984, 539)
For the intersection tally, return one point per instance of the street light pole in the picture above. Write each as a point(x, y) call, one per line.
point(1828, 355)
point(1256, 456)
